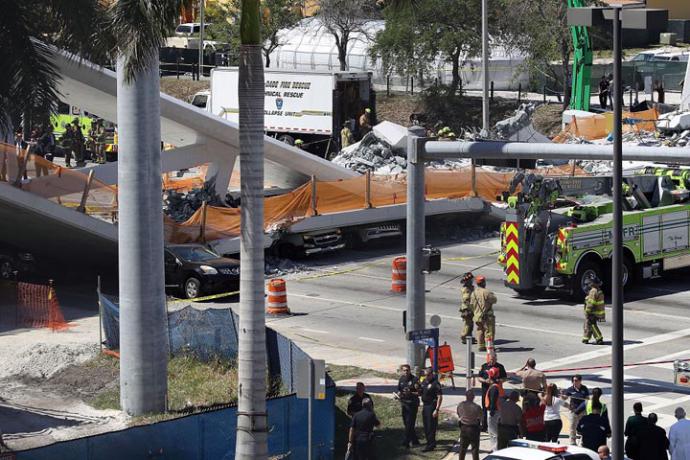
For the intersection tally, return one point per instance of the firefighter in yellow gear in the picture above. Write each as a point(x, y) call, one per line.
point(482, 301)
point(466, 312)
point(346, 137)
point(594, 312)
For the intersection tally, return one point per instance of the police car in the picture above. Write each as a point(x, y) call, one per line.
point(520, 449)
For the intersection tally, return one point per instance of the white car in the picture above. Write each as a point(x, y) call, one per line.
point(521, 449)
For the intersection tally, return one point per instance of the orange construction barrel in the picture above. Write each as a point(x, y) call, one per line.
point(399, 274)
point(277, 297)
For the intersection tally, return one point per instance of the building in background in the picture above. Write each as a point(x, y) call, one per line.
point(677, 9)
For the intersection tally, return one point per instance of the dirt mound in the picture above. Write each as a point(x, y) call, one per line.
point(89, 379)
point(43, 360)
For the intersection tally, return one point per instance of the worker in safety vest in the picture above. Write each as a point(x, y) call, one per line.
point(492, 404)
point(482, 301)
point(466, 312)
point(299, 143)
point(594, 312)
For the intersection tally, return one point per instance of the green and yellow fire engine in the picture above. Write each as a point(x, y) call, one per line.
point(558, 231)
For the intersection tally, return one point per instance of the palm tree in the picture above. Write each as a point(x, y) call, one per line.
point(252, 436)
point(132, 31)
point(140, 29)
point(27, 27)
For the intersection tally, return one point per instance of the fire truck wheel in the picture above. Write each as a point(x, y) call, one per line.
point(585, 271)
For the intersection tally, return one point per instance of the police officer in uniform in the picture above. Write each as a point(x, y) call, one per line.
point(408, 394)
point(432, 397)
point(466, 306)
point(361, 436)
point(594, 312)
point(482, 301)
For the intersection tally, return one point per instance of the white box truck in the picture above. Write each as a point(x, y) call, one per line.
point(310, 106)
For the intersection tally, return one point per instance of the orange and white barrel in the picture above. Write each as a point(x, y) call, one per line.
point(399, 274)
point(277, 297)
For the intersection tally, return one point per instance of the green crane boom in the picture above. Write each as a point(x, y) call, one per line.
point(582, 63)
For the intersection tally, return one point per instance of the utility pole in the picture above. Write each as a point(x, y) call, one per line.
point(485, 86)
point(201, 37)
point(616, 272)
point(416, 309)
point(485, 67)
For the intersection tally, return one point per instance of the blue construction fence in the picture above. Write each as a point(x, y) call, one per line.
point(210, 332)
point(205, 436)
point(208, 435)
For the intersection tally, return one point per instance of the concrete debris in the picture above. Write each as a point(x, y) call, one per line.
point(369, 154)
point(505, 129)
point(181, 206)
point(376, 154)
point(281, 267)
point(392, 133)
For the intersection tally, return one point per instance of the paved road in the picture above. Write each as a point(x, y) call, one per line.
point(345, 313)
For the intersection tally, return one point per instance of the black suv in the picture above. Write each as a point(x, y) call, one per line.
point(194, 269)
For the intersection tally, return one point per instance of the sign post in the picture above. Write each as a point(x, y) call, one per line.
point(311, 384)
point(428, 337)
point(470, 362)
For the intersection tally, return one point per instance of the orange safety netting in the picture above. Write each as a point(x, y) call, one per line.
point(38, 307)
point(599, 126)
point(64, 186)
point(344, 195)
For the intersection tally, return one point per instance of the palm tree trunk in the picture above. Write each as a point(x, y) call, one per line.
point(143, 323)
point(252, 436)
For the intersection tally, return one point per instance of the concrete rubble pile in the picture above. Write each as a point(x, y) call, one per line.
point(372, 153)
point(181, 206)
point(280, 267)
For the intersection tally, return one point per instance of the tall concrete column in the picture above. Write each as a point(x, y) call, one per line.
point(416, 308)
point(143, 324)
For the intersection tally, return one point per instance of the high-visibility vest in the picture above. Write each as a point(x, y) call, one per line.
point(588, 407)
point(501, 394)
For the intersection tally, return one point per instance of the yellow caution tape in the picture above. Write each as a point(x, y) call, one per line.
point(460, 259)
point(208, 297)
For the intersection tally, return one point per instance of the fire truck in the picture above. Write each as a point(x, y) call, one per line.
point(558, 231)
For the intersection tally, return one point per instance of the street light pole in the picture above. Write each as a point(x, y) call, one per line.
point(617, 263)
point(201, 37)
point(416, 309)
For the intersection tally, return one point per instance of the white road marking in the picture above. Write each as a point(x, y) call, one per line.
point(370, 339)
point(448, 317)
point(659, 315)
point(601, 352)
point(315, 331)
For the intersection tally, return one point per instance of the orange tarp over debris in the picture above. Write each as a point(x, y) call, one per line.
point(344, 195)
point(600, 125)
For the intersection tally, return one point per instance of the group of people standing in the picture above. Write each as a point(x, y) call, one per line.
point(648, 441)
point(72, 143)
point(412, 392)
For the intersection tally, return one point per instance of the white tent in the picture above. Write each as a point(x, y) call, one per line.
point(310, 47)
